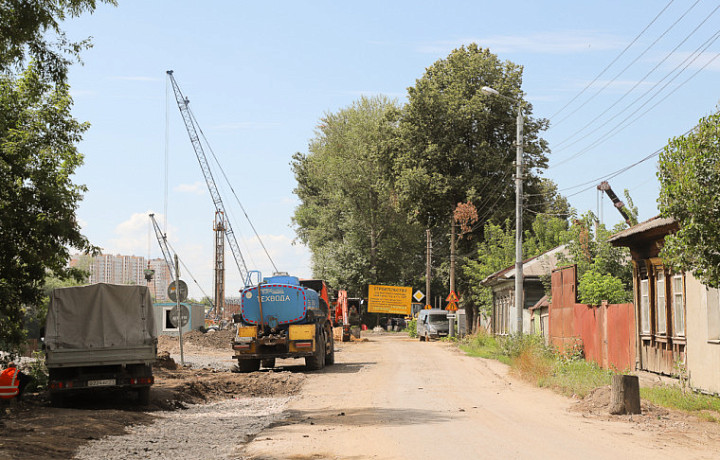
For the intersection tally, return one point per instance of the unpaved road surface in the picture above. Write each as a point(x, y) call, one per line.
point(388, 398)
point(397, 398)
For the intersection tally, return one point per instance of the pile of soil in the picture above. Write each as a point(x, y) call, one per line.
point(31, 429)
point(197, 341)
point(598, 402)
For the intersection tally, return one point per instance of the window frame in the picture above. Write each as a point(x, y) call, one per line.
point(678, 331)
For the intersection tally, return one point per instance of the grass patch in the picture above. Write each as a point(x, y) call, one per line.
point(704, 406)
point(576, 377)
point(533, 361)
point(483, 345)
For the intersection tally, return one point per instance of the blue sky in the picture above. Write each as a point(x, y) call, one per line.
point(260, 75)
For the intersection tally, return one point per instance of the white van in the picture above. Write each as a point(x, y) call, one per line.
point(432, 324)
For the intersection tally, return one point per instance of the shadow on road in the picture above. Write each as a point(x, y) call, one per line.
point(366, 416)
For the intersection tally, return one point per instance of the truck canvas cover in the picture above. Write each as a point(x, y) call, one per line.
point(100, 316)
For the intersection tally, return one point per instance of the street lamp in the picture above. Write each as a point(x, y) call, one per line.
point(519, 291)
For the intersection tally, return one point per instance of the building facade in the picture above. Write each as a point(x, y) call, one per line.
point(122, 269)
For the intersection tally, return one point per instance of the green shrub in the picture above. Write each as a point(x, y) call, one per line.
point(38, 372)
point(411, 328)
point(595, 287)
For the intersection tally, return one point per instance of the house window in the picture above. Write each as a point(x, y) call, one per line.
point(644, 307)
point(678, 305)
point(661, 316)
point(713, 314)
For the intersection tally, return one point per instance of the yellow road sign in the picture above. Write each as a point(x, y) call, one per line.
point(452, 297)
point(394, 300)
point(452, 306)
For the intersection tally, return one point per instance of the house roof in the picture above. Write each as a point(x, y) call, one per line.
point(534, 267)
point(651, 227)
point(543, 302)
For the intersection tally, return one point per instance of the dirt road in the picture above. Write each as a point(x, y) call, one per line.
point(397, 398)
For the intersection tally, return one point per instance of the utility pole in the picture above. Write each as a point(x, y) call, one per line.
point(452, 254)
point(177, 305)
point(519, 291)
point(428, 268)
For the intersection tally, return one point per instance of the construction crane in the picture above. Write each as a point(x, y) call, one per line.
point(183, 105)
point(619, 205)
point(162, 241)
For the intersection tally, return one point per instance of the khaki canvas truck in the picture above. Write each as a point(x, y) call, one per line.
point(100, 336)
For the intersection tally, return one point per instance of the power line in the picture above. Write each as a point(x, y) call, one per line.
point(706, 44)
point(613, 61)
point(629, 65)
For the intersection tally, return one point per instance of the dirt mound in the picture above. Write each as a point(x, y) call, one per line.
point(164, 361)
point(599, 400)
point(196, 340)
point(176, 387)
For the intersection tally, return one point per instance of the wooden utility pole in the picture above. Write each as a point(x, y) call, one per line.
point(428, 269)
point(452, 254)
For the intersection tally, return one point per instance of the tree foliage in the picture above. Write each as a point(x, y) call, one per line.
point(348, 214)
point(594, 287)
point(457, 143)
point(689, 174)
point(38, 199)
point(30, 30)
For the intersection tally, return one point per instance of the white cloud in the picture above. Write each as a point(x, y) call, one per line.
point(568, 42)
point(198, 188)
point(698, 63)
point(132, 236)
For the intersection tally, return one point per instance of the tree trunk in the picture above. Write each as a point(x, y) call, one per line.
point(625, 395)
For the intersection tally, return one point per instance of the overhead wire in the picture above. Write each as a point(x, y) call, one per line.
point(705, 44)
point(237, 199)
point(609, 82)
point(621, 125)
point(607, 67)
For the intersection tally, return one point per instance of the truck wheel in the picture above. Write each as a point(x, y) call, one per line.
point(248, 365)
point(317, 360)
point(143, 396)
point(268, 363)
point(330, 357)
point(57, 400)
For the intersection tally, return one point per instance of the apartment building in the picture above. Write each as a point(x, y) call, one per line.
point(121, 269)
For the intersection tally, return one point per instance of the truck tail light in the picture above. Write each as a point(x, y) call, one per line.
point(307, 344)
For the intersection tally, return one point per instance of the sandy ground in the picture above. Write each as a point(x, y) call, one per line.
point(397, 398)
point(387, 398)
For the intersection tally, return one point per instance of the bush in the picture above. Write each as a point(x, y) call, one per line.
point(594, 287)
point(411, 328)
point(39, 373)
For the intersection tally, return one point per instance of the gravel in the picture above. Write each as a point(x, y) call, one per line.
point(217, 431)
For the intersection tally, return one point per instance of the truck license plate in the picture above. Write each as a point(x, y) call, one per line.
point(101, 383)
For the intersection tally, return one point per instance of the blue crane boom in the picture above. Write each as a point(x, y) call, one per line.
point(183, 105)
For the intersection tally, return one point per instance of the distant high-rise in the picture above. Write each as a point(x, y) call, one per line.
point(120, 269)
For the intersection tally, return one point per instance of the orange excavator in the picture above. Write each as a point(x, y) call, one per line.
point(347, 313)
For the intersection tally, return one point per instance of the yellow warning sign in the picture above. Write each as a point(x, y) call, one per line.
point(452, 306)
point(428, 307)
point(395, 300)
point(452, 297)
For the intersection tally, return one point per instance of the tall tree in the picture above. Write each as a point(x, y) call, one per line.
point(457, 144)
point(348, 214)
point(38, 199)
point(37, 156)
point(31, 29)
point(689, 173)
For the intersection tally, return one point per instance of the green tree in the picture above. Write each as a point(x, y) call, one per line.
point(457, 143)
point(689, 174)
point(31, 29)
point(38, 199)
point(348, 214)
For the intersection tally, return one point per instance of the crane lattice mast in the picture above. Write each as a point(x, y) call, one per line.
point(183, 105)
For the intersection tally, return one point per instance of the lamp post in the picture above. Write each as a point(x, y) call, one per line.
point(519, 291)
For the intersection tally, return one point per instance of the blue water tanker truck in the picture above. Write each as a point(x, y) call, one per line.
point(283, 317)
